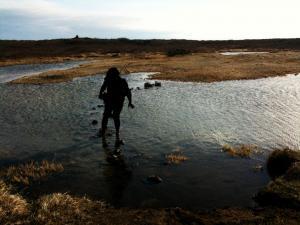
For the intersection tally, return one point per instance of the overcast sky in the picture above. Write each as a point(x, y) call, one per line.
point(183, 19)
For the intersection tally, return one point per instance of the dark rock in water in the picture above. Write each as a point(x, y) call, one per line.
point(94, 108)
point(100, 106)
point(138, 88)
point(157, 84)
point(280, 161)
point(148, 85)
point(94, 122)
point(154, 179)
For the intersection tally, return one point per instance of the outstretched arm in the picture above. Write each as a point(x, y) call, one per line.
point(102, 89)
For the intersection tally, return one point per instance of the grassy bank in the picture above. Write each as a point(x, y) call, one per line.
point(280, 202)
point(197, 67)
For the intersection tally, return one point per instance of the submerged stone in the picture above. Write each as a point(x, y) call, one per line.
point(94, 122)
point(154, 179)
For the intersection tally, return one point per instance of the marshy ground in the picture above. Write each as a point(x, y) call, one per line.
point(219, 114)
point(197, 67)
point(280, 199)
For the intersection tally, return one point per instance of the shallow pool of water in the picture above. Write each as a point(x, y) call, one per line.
point(9, 73)
point(242, 53)
point(54, 122)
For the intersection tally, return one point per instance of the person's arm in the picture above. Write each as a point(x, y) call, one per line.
point(128, 94)
point(102, 89)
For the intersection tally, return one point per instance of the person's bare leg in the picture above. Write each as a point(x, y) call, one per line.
point(117, 126)
point(106, 114)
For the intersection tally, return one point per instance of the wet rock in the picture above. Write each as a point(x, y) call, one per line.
point(157, 84)
point(148, 85)
point(258, 168)
point(94, 122)
point(154, 179)
point(100, 106)
point(280, 161)
point(94, 108)
point(138, 88)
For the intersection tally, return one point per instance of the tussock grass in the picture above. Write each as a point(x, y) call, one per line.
point(26, 173)
point(175, 158)
point(64, 209)
point(280, 160)
point(13, 208)
point(284, 189)
point(243, 151)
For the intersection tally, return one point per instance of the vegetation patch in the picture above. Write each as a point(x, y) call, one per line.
point(175, 158)
point(243, 151)
point(283, 191)
point(281, 160)
point(26, 173)
point(13, 208)
point(177, 52)
point(64, 209)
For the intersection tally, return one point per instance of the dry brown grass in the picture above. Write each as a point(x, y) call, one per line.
point(60, 209)
point(26, 173)
point(13, 208)
point(175, 157)
point(243, 151)
point(64, 209)
point(198, 67)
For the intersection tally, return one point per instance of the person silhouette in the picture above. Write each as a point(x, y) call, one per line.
point(113, 92)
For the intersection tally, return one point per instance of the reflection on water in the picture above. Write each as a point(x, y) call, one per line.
point(9, 73)
point(117, 175)
point(54, 122)
point(243, 53)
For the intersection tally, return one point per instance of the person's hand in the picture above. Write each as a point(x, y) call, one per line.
point(130, 105)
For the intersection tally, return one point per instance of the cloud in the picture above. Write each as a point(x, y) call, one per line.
point(41, 19)
point(190, 19)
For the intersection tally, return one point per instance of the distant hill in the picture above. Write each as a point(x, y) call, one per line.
point(76, 46)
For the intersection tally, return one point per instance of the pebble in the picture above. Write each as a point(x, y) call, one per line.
point(94, 122)
point(154, 179)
